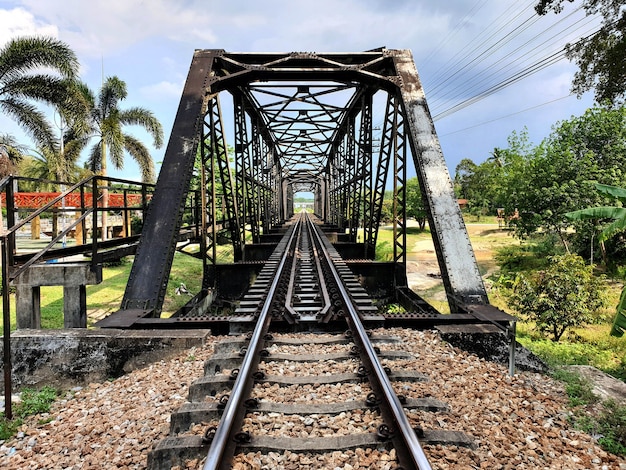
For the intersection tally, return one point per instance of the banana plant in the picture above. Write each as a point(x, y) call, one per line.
point(618, 215)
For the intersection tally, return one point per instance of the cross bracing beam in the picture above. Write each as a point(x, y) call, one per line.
point(307, 122)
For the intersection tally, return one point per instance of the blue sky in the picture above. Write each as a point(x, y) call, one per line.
point(458, 46)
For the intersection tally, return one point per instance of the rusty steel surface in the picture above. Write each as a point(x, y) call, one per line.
point(148, 278)
point(303, 122)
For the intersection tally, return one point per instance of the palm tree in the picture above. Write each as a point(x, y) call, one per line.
point(106, 121)
point(36, 69)
point(11, 154)
point(54, 164)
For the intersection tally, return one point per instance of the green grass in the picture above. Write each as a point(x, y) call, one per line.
point(106, 298)
point(32, 402)
point(606, 420)
point(591, 345)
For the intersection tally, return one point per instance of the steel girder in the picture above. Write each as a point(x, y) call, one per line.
point(305, 122)
point(147, 282)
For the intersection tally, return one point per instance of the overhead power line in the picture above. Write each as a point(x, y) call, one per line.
point(500, 118)
point(492, 67)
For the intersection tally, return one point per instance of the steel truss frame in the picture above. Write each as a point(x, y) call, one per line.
point(306, 122)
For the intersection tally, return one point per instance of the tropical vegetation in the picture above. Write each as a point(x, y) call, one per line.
point(105, 123)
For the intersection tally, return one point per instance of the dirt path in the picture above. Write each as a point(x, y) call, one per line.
point(423, 269)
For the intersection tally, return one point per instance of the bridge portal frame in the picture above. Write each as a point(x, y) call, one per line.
point(343, 156)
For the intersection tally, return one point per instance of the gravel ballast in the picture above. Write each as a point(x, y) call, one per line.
point(519, 422)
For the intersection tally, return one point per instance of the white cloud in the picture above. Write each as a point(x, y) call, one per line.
point(19, 22)
point(103, 27)
point(162, 91)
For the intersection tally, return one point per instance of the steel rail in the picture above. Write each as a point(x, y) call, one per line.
point(223, 440)
point(411, 454)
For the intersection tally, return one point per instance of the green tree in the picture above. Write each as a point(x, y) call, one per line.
point(600, 57)
point(617, 214)
point(567, 294)
point(559, 175)
point(41, 70)
point(494, 183)
point(415, 203)
point(106, 123)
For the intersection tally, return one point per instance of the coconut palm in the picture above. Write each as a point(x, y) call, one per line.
point(106, 122)
point(36, 69)
point(54, 163)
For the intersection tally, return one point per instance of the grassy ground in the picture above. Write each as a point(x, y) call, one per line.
point(590, 345)
point(105, 298)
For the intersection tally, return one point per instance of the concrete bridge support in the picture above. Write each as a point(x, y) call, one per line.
point(73, 277)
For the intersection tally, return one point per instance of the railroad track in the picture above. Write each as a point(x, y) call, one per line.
point(304, 399)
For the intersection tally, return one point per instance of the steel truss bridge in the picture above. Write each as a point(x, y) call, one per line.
point(342, 126)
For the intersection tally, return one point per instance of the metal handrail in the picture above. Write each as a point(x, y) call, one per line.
point(36, 257)
point(44, 208)
point(6, 250)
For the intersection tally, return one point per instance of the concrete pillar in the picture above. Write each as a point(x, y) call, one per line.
point(73, 277)
point(27, 306)
point(75, 306)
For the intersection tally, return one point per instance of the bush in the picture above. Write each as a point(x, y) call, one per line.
point(565, 294)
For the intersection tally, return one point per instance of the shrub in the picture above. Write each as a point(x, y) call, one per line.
point(565, 294)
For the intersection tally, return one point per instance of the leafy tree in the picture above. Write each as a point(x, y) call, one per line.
point(476, 184)
point(559, 175)
point(618, 215)
point(106, 123)
point(415, 203)
point(566, 294)
point(494, 183)
point(41, 70)
point(386, 212)
point(600, 57)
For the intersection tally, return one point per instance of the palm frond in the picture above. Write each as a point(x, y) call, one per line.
point(146, 119)
point(112, 92)
point(94, 160)
point(612, 191)
point(14, 150)
point(45, 88)
point(114, 138)
point(22, 55)
point(602, 212)
point(617, 214)
point(142, 156)
point(30, 119)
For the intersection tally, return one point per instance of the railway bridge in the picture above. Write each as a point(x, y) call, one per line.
point(342, 126)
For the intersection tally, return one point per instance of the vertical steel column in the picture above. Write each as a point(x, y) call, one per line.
point(290, 206)
point(399, 197)
point(457, 262)
point(208, 220)
point(219, 152)
point(254, 194)
point(352, 188)
point(277, 194)
point(365, 157)
point(242, 150)
point(266, 196)
point(382, 169)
